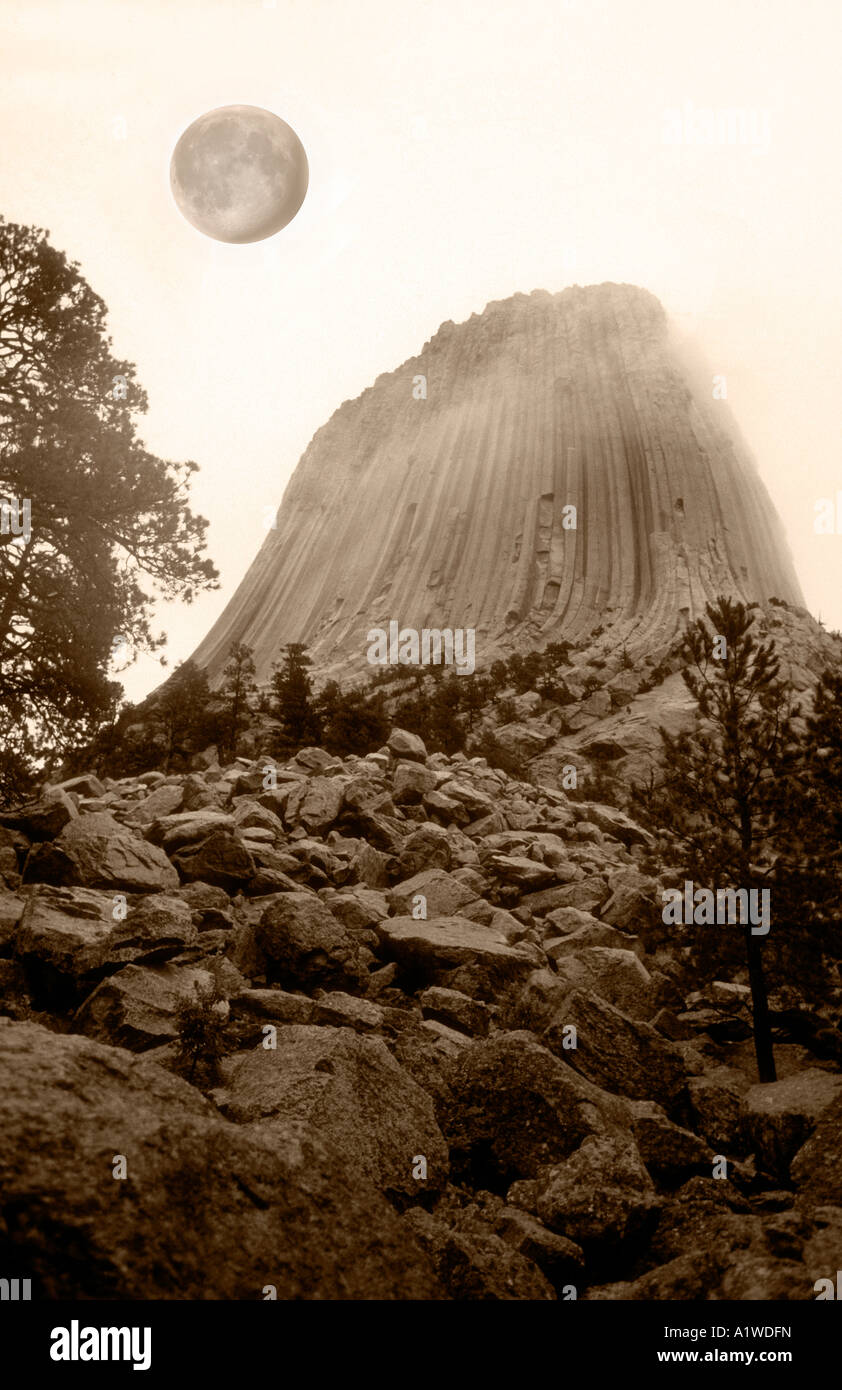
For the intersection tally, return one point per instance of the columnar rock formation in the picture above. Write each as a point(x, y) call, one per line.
point(449, 510)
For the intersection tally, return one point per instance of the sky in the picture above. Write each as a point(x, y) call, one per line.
point(458, 153)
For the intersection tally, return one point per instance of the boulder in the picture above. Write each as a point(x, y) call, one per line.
point(816, 1168)
point(567, 920)
point(95, 851)
point(11, 911)
point(523, 873)
point(672, 1154)
point(315, 804)
point(443, 943)
point(43, 818)
point(222, 859)
point(209, 904)
point(593, 934)
point(514, 1108)
point(187, 827)
point(585, 894)
point(349, 1091)
point(403, 744)
point(305, 946)
point(207, 1210)
point(136, 1008)
point(716, 1107)
point(64, 940)
point(473, 1262)
point(474, 801)
point(428, 847)
point(444, 894)
point(411, 782)
point(338, 1010)
point(87, 785)
point(601, 1198)
point(155, 924)
point(272, 1006)
point(560, 1259)
point(632, 908)
point(358, 908)
point(704, 1214)
point(615, 976)
point(456, 1010)
point(165, 800)
point(779, 1116)
point(616, 823)
point(620, 1054)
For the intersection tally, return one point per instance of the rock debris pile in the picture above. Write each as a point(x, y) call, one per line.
point(456, 1061)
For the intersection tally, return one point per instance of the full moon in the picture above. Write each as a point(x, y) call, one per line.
point(239, 173)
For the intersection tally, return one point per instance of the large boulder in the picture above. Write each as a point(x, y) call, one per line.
point(403, 744)
point(514, 1108)
point(443, 894)
point(412, 782)
point(205, 1210)
point(348, 1089)
point(601, 1198)
point(428, 847)
point(165, 800)
point(456, 1010)
point(222, 860)
point(593, 933)
point(618, 1053)
point(70, 938)
point(44, 817)
point(137, 1007)
point(779, 1116)
point(96, 851)
point(559, 1258)
point(670, 1152)
point(315, 804)
point(306, 947)
point(616, 823)
point(716, 1107)
point(816, 1168)
point(85, 786)
point(64, 939)
point(618, 977)
point(585, 894)
point(523, 873)
point(443, 943)
point(188, 827)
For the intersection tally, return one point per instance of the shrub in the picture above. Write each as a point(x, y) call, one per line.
point(201, 1021)
point(506, 711)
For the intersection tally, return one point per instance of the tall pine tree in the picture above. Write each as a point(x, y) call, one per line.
point(294, 702)
point(724, 794)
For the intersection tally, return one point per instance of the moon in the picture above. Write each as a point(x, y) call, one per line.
point(239, 174)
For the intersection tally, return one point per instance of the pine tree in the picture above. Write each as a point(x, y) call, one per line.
point(813, 874)
point(106, 518)
point(445, 734)
point(180, 714)
point(353, 722)
point(294, 702)
point(476, 694)
point(724, 794)
point(238, 685)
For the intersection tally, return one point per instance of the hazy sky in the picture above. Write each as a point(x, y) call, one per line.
point(458, 152)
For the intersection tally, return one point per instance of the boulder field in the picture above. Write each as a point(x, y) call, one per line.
point(457, 1059)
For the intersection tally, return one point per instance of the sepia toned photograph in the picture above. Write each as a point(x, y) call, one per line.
point(421, 666)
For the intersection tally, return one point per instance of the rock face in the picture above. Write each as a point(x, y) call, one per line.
point(449, 510)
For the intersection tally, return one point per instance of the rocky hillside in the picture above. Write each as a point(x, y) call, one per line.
point(459, 1056)
point(441, 496)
